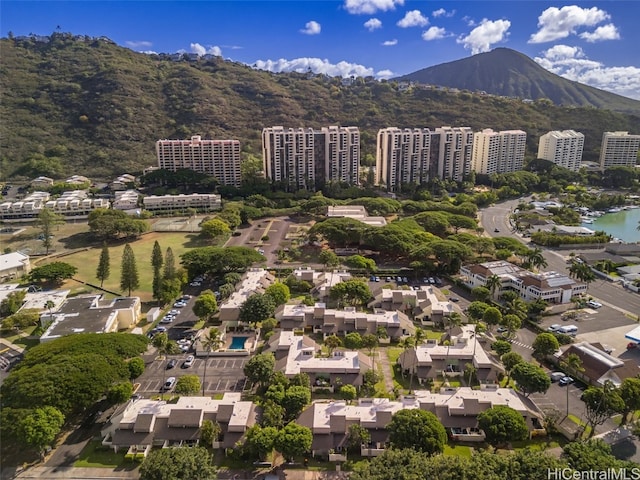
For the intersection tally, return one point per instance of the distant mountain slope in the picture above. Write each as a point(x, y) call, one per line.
point(80, 105)
point(506, 72)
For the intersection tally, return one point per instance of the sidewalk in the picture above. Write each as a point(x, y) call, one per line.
point(387, 369)
point(73, 473)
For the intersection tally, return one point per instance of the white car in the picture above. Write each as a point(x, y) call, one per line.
point(169, 384)
point(554, 328)
point(594, 304)
point(189, 361)
point(195, 284)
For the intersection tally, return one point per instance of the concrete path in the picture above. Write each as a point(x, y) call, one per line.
point(387, 369)
point(73, 473)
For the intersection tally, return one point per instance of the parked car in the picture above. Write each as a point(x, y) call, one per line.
point(172, 363)
point(554, 328)
point(454, 299)
point(556, 376)
point(502, 329)
point(564, 381)
point(405, 279)
point(195, 284)
point(169, 384)
point(496, 230)
point(594, 304)
point(179, 305)
point(431, 281)
point(188, 363)
point(631, 345)
point(166, 320)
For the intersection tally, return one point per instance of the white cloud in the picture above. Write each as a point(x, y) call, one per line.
point(148, 52)
point(604, 32)
point(572, 63)
point(233, 47)
point(469, 21)
point(371, 6)
point(390, 43)
point(486, 34)
point(384, 74)
point(318, 65)
point(311, 28)
point(441, 12)
point(373, 24)
point(555, 23)
point(413, 18)
point(434, 33)
point(138, 43)
point(200, 50)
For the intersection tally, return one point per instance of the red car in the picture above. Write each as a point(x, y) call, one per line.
point(631, 345)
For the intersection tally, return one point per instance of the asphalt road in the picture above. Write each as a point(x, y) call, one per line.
point(607, 293)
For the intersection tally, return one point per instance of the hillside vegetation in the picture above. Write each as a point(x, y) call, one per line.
point(79, 105)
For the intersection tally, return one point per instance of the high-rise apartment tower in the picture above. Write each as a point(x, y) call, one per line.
point(562, 148)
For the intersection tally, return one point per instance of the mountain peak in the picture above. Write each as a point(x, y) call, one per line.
point(507, 72)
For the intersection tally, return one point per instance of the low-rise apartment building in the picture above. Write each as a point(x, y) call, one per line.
point(204, 202)
point(550, 286)
point(300, 354)
point(356, 212)
point(423, 304)
point(322, 281)
point(432, 358)
point(255, 280)
point(14, 265)
point(329, 321)
point(91, 314)
point(126, 200)
point(456, 408)
point(142, 424)
point(75, 203)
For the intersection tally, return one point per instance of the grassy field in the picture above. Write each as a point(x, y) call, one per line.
point(86, 261)
point(94, 455)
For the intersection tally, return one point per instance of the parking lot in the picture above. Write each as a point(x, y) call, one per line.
point(9, 356)
point(223, 374)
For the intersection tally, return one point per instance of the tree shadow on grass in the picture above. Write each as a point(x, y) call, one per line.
point(80, 240)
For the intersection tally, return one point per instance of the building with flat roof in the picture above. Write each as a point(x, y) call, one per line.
point(405, 156)
point(550, 286)
point(255, 280)
point(218, 158)
point(423, 304)
point(598, 366)
point(91, 314)
point(126, 200)
point(619, 149)
point(329, 321)
point(41, 182)
point(455, 152)
point(14, 265)
point(204, 202)
point(564, 148)
point(306, 158)
point(356, 212)
point(498, 152)
point(142, 424)
point(322, 282)
point(300, 354)
point(431, 359)
point(456, 408)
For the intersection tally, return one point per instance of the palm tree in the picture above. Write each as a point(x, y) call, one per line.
point(535, 258)
point(582, 272)
point(454, 320)
point(212, 341)
point(493, 283)
point(165, 348)
point(572, 364)
point(49, 304)
point(516, 307)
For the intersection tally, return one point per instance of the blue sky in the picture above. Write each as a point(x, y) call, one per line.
point(592, 42)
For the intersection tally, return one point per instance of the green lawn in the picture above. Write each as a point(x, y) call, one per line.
point(95, 455)
point(454, 449)
point(540, 443)
point(87, 261)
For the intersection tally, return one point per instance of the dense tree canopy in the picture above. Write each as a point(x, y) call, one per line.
point(530, 378)
point(71, 373)
point(502, 424)
point(256, 308)
point(54, 272)
point(259, 368)
point(417, 429)
point(178, 464)
point(114, 224)
point(219, 260)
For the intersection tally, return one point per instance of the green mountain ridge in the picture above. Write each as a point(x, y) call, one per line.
point(80, 105)
point(507, 72)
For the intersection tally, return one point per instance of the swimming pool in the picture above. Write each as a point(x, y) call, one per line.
point(237, 343)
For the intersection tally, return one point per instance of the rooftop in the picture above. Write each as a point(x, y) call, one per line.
point(357, 212)
point(255, 281)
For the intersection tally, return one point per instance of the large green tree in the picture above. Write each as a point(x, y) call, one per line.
point(259, 442)
point(219, 260)
point(256, 308)
point(279, 293)
point(601, 403)
point(530, 378)
point(417, 429)
point(129, 279)
point(351, 292)
point(47, 221)
point(178, 464)
point(206, 305)
point(214, 228)
point(40, 427)
point(629, 391)
point(294, 440)
point(295, 399)
point(54, 272)
point(103, 270)
point(545, 344)
point(502, 424)
point(188, 385)
point(259, 368)
point(114, 224)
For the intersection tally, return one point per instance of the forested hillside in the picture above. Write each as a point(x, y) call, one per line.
point(80, 105)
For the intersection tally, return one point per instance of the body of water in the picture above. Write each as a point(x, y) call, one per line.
point(622, 225)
